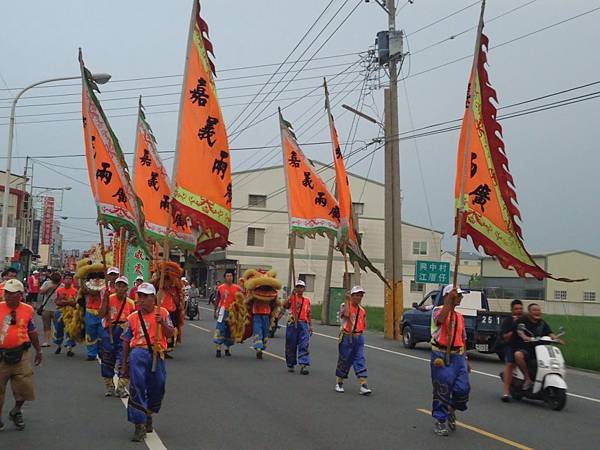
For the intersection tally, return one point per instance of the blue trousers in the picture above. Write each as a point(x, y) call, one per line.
point(112, 353)
point(59, 331)
point(260, 327)
point(296, 344)
point(93, 334)
point(450, 384)
point(223, 333)
point(351, 354)
point(146, 388)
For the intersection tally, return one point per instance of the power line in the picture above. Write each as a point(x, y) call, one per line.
point(435, 22)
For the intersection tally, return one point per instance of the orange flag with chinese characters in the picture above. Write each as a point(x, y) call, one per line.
point(152, 186)
point(116, 200)
point(484, 182)
point(202, 170)
point(311, 207)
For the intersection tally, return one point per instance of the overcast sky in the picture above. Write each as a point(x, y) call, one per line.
point(553, 154)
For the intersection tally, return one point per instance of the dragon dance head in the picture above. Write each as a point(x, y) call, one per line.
point(261, 285)
point(91, 274)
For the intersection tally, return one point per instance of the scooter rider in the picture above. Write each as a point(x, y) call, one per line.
point(536, 327)
point(509, 335)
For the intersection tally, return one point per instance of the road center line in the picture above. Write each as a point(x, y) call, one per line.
point(419, 358)
point(485, 433)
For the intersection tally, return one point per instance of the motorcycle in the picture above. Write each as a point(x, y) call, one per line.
point(192, 308)
point(547, 370)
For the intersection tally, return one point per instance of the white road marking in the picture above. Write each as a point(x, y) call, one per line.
point(406, 355)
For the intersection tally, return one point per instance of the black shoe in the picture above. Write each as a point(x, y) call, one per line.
point(259, 355)
point(91, 358)
point(218, 355)
point(58, 350)
point(17, 418)
point(70, 353)
point(227, 353)
point(506, 398)
point(168, 356)
point(304, 370)
point(139, 434)
point(149, 427)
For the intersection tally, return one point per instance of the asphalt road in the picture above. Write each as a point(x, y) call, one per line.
point(240, 402)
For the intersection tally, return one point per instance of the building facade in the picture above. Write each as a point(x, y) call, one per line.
point(259, 236)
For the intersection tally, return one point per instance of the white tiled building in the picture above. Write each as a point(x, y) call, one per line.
point(259, 236)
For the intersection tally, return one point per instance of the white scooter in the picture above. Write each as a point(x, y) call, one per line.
point(548, 368)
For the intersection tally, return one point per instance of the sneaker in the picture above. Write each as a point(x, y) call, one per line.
point(304, 370)
point(139, 434)
point(339, 387)
point(110, 392)
point(58, 350)
point(452, 420)
point(259, 354)
point(17, 418)
point(218, 355)
point(364, 390)
point(149, 426)
point(291, 369)
point(227, 352)
point(440, 428)
point(70, 353)
point(121, 393)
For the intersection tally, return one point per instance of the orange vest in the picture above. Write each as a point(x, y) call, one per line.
point(439, 333)
point(301, 303)
point(63, 293)
point(259, 307)
point(139, 340)
point(353, 323)
point(114, 306)
point(93, 302)
point(12, 336)
point(227, 295)
point(168, 302)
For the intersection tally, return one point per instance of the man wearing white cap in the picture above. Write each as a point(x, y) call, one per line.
point(298, 331)
point(114, 312)
point(351, 345)
point(449, 366)
point(147, 387)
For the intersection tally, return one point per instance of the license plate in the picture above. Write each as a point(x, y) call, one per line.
point(482, 347)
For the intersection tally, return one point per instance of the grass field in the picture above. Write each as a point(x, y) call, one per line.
point(582, 348)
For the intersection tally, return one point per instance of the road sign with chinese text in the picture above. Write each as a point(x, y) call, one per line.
point(437, 272)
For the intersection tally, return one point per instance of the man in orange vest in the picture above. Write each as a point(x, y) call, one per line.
point(298, 331)
point(114, 312)
point(351, 345)
point(17, 334)
point(66, 297)
point(225, 298)
point(449, 375)
point(146, 387)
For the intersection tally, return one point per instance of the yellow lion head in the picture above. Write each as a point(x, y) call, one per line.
point(260, 285)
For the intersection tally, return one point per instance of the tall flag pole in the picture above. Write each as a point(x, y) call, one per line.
point(117, 204)
point(152, 185)
point(485, 197)
point(348, 238)
point(202, 189)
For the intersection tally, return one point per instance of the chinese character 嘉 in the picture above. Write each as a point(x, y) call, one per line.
point(320, 199)
point(145, 159)
point(294, 161)
point(481, 195)
point(307, 182)
point(208, 131)
point(153, 180)
point(220, 166)
point(198, 94)
point(104, 174)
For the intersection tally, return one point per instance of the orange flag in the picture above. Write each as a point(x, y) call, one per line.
point(311, 207)
point(152, 185)
point(202, 171)
point(486, 201)
point(116, 201)
point(348, 239)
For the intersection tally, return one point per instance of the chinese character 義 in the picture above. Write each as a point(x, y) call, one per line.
point(307, 182)
point(208, 131)
point(153, 180)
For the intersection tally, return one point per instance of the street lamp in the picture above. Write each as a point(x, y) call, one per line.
point(100, 78)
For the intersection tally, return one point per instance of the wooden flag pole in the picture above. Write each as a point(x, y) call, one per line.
point(103, 253)
point(461, 211)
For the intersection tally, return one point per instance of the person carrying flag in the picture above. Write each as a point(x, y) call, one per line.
point(225, 297)
point(66, 296)
point(114, 312)
point(298, 331)
point(140, 347)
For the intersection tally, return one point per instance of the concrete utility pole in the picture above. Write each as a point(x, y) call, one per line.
point(394, 298)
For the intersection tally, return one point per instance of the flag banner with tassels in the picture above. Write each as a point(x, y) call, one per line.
point(116, 201)
point(484, 180)
point(152, 186)
point(348, 239)
point(202, 171)
point(312, 208)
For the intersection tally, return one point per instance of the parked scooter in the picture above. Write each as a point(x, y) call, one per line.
point(547, 370)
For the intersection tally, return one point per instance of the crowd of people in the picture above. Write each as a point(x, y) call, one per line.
point(130, 337)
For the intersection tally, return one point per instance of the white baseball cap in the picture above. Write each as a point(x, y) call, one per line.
point(14, 285)
point(300, 283)
point(357, 290)
point(122, 280)
point(449, 288)
point(113, 270)
point(146, 288)
point(139, 277)
point(35, 272)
